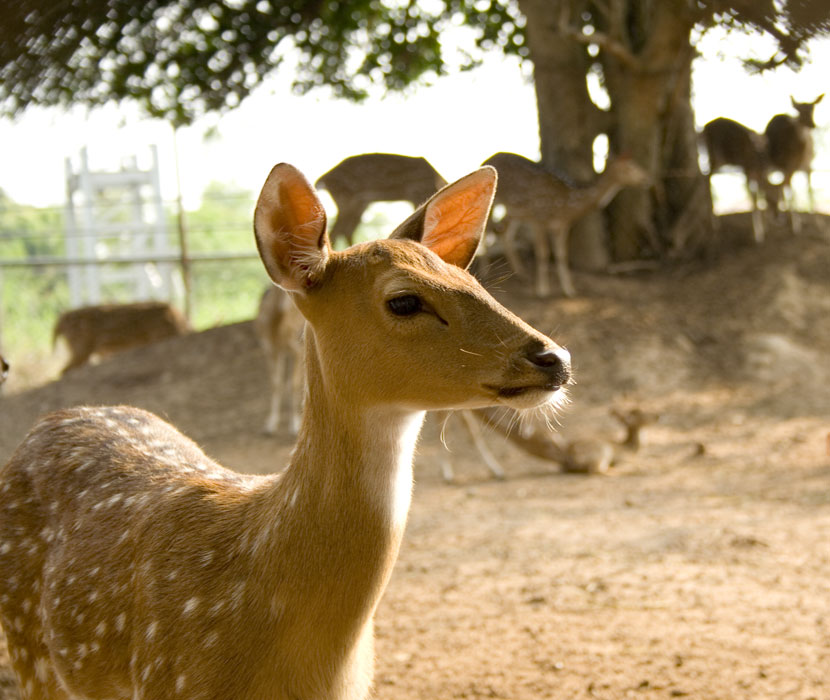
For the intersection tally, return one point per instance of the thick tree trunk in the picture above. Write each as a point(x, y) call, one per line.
point(653, 121)
point(646, 58)
point(568, 120)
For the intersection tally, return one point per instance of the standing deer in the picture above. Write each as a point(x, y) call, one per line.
point(359, 180)
point(790, 149)
point(731, 143)
point(109, 328)
point(279, 328)
point(550, 206)
point(132, 566)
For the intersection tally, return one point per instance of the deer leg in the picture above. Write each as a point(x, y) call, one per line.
point(276, 374)
point(478, 440)
point(795, 219)
point(757, 220)
point(447, 472)
point(541, 250)
point(560, 249)
point(512, 230)
point(810, 193)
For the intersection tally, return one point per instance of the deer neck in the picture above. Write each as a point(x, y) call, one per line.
point(603, 190)
point(343, 501)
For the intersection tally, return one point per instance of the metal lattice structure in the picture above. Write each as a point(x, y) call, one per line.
point(116, 216)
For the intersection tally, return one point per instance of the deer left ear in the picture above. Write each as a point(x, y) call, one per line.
point(290, 229)
point(452, 222)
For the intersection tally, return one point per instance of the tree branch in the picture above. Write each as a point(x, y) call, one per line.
point(605, 42)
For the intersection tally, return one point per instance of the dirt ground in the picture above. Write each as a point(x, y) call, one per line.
point(698, 567)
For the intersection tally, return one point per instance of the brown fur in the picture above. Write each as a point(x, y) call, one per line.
point(359, 180)
point(132, 566)
point(110, 328)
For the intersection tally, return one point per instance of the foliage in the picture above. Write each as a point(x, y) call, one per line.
point(180, 58)
point(29, 294)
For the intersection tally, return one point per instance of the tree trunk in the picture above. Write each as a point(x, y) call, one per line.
point(646, 58)
point(568, 119)
point(653, 121)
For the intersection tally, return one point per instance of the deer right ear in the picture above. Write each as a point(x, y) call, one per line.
point(290, 229)
point(452, 222)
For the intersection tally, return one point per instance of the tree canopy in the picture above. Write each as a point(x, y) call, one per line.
point(182, 58)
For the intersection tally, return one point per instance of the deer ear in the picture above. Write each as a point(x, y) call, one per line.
point(290, 229)
point(452, 222)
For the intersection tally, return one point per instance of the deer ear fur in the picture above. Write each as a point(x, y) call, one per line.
point(452, 222)
point(290, 229)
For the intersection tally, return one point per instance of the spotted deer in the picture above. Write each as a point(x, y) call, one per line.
point(132, 566)
point(359, 180)
point(279, 328)
point(109, 328)
point(535, 196)
point(729, 142)
point(790, 150)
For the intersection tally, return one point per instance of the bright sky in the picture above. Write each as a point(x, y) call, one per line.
point(455, 124)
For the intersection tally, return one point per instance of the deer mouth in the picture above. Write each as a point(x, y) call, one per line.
point(512, 392)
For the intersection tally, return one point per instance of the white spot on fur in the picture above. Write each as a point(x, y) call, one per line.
point(151, 631)
point(42, 669)
point(238, 593)
point(190, 605)
point(206, 557)
point(120, 621)
point(180, 681)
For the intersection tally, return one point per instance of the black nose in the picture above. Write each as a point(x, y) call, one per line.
point(556, 362)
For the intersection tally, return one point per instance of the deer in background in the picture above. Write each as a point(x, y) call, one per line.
point(132, 566)
point(279, 328)
point(790, 149)
point(358, 181)
point(580, 456)
point(109, 328)
point(731, 143)
point(550, 206)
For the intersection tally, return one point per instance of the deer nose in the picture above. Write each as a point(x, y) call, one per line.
point(553, 361)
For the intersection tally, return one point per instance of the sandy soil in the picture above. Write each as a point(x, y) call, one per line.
point(697, 568)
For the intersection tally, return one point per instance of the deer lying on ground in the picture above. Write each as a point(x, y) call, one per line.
point(359, 180)
point(581, 456)
point(279, 328)
point(731, 143)
point(550, 206)
point(790, 150)
point(132, 566)
point(109, 328)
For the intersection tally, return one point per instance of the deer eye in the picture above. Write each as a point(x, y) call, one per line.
point(406, 305)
